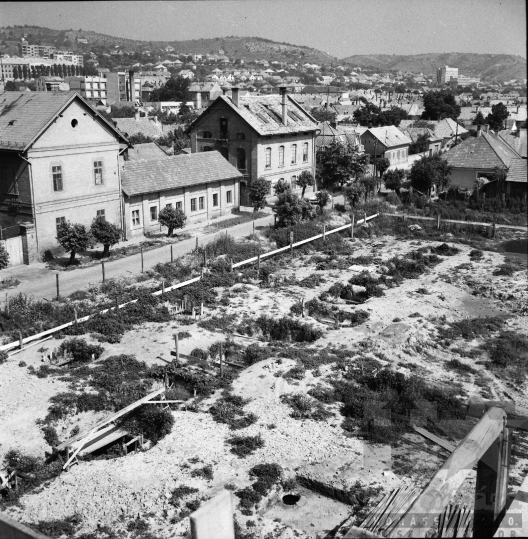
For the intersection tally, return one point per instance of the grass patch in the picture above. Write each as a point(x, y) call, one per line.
point(508, 353)
point(471, 328)
point(305, 407)
point(243, 446)
point(230, 411)
point(457, 366)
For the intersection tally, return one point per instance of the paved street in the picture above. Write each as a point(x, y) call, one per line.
point(39, 281)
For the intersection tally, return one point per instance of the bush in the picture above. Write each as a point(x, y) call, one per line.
point(48, 256)
point(206, 472)
point(458, 366)
point(80, 350)
point(199, 353)
point(255, 353)
point(305, 407)
point(476, 254)
point(508, 353)
point(50, 435)
point(242, 446)
point(505, 269)
point(472, 328)
point(3, 357)
point(444, 250)
point(285, 327)
point(151, 422)
point(59, 528)
point(181, 492)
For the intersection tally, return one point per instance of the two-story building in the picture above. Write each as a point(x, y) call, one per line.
point(388, 142)
point(59, 161)
point(269, 136)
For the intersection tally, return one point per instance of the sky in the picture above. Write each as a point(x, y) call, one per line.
point(338, 27)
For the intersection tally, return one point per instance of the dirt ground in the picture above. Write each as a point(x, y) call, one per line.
point(114, 491)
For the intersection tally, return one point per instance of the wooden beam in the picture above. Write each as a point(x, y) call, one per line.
point(447, 480)
point(438, 441)
point(515, 521)
point(517, 416)
point(109, 419)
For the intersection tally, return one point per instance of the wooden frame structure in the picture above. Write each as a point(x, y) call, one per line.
point(488, 447)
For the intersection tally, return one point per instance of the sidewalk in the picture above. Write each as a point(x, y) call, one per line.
point(39, 281)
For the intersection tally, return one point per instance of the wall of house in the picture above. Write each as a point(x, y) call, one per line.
point(74, 147)
point(396, 154)
point(14, 178)
point(465, 177)
point(144, 203)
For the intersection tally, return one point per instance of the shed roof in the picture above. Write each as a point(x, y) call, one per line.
point(179, 171)
point(518, 171)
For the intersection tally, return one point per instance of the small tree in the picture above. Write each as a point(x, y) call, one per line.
point(369, 183)
point(172, 218)
point(479, 119)
point(106, 233)
point(74, 238)
point(420, 145)
point(258, 191)
point(428, 171)
point(291, 209)
point(382, 164)
point(323, 198)
point(280, 187)
point(305, 180)
point(4, 257)
point(352, 192)
point(393, 179)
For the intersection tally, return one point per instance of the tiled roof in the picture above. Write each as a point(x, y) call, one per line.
point(146, 126)
point(389, 136)
point(24, 115)
point(447, 128)
point(485, 151)
point(328, 135)
point(264, 114)
point(518, 171)
point(178, 171)
point(518, 143)
point(147, 151)
point(414, 132)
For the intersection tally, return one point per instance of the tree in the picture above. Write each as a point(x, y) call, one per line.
point(106, 233)
point(4, 257)
point(305, 180)
point(10, 86)
point(367, 114)
point(479, 119)
point(382, 164)
point(352, 192)
point(369, 183)
point(175, 89)
point(428, 171)
point(323, 115)
point(440, 105)
point(280, 187)
point(499, 175)
point(258, 191)
point(338, 163)
point(291, 209)
point(172, 218)
point(74, 238)
point(498, 116)
point(393, 179)
point(420, 145)
point(323, 198)
point(393, 116)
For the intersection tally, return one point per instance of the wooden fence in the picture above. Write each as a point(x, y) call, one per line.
point(255, 259)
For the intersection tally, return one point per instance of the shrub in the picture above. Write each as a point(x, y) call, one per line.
point(471, 328)
point(199, 353)
point(74, 238)
point(505, 269)
point(304, 407)
point(287, 327)
point(80, 350)
point(370, 283)
point(181, 492)
point(48, 256)
point(444, 250)
point(50, 435)
point(458, 366)
point(508, 353)
point(242, 446)
point(3, 357)
point(59, 527)
point(151, 422)
point(206, 472)
point(476, 254)
point(255, 353)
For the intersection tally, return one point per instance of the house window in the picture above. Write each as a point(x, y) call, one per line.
point(241, 136)
point(229, 197)
point(294, 154)
point(135, 218)
point(305, 152)
point(223, 128)
point(168, 205)
point(153, 214)
point(241, 159)
point(178, 205)
point(98, 172)
point(207, 134)
point(58, 222)
point(201, 203)
point(215, 200)
point(193, 204)
point(57, 178)
point(268, 157)
point(281, 156)
point(207, 149)
point(101, 213)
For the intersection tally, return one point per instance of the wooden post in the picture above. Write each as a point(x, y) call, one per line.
point(162, 289)
point(491, 485)
point(221, 364)
point(493, 230)
point(102, 267)
point(172, 255)
point(231, 265)
point(116, 303)
point(205, 258)
point(201, 308)
point(7, 305)
point(302, 307)
point(57, 282)
point(176, 346)
point(352, 227)
point(21, 340)
point(196, 242)
point(438, 221)
point(291, 243)
point(324, 232)
point(275, 222)
point(365, 217)
point(142, 265)
point(258, 266)
point(75, 315)
point(253, 227)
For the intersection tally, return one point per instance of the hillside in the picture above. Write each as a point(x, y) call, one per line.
point(489, 66)
point(247, 48)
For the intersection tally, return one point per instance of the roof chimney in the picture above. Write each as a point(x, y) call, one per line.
point(284, 103)
point(486, 128)
point(224, 89)
point(234, 95)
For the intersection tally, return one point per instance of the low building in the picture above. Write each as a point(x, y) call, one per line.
point(52, 84)
point(449, 131)
point(434, 142)
point(202, 185)
point(388, 142)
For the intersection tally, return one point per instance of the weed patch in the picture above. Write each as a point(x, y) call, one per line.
point(243, 446)
point(305, 407)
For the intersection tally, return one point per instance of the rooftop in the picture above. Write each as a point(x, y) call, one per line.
point(147, 151)
point(179, 171)
point(389, 136)
point(518, 171)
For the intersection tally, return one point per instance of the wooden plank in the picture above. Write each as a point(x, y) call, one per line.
point(438, 441)
point(447, 480)
point(111, 418)
point(360, 533)
point(515, 521)
point(11, 529)
point(104, 440)
point(517, 416)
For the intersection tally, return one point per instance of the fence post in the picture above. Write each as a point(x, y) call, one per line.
point(352, 227)
point(75, 315)
point(117, 303)
point(291, 244)
point(253, 227)
point(7, 305)
point(493, 230)
point(103, 268)
point(302, 307)
point(142, 266)
point(365, 217)
point(172, 255)
point(231, 265)
point(221, 364)
point(201, 308)
point(258, 265)
point(324, 232)
point(275, 221)
point(438, 221)
point(176, 346)
point(21, 340)
point(57, 282)
point(162, 288)
point(196, 242)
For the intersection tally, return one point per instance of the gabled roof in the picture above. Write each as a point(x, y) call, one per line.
point(147, 151)
point(518, 171)
point(447, 128)
point(178, 171)
point(414, 132)
point(486, 151)
point(145, 126)
point(24, 116)
point(264, 114)
point(389, 136)
point(515, 139)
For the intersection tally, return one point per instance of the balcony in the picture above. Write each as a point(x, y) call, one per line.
point(218, 136)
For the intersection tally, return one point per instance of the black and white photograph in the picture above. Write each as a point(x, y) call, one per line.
point(263, 269)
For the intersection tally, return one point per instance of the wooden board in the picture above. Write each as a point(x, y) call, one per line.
point(515, 521)
point(517, 416)
point(438, 441)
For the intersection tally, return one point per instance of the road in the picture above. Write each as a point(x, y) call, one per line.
point(40, 282)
